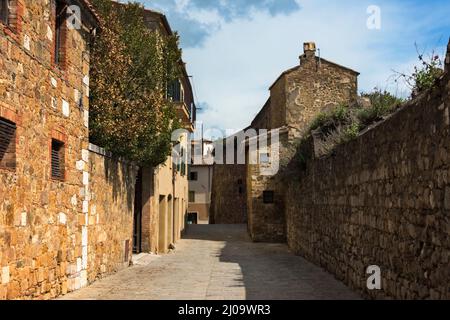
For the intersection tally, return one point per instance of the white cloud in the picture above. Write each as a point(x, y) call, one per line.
point(237, 63)
point(181, 5)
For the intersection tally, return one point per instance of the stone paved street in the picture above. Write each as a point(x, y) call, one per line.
point(219, 262)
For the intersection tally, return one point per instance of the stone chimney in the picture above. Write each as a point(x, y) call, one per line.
point(309, 52)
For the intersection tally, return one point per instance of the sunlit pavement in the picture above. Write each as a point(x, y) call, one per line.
point(219, 262)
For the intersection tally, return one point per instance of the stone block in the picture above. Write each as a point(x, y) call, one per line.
point(5, 275)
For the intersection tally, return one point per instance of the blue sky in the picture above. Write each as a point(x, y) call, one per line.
point(235, 49)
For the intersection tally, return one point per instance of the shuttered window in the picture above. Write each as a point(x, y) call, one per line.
point(193, 176)
point(57, 159)
point(7, 144)
point(4, 11)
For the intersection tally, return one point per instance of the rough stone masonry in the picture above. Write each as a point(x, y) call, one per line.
point(44, 185)
point(382, 199)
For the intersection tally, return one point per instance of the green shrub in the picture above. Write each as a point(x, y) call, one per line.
point(383, 103)
point(344, 123)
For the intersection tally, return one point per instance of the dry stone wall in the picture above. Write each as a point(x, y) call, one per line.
point(382, 199)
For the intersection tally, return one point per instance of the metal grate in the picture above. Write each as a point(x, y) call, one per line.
point(57, 159)
point(7, 144)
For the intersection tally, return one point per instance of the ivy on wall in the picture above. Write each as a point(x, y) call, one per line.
point(131, 66)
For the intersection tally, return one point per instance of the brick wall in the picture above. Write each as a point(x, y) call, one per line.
point(382, 199)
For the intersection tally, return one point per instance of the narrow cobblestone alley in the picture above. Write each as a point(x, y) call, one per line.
point(219, 262)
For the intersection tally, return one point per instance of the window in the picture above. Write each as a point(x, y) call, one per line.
point(268, 197)
point(264, 158)
point(240, 181)
point(7, 144)
point(174, 91)
point(57, 159)
point(4, 11)
point(192, 196)
point(193, 176)
point(60, 33)
point(184, 168)
point(241, 190)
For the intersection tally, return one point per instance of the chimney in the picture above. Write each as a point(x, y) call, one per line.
point(309, 53)
point(309, 49)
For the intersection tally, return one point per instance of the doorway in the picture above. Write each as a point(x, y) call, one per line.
point(192, 218)
point(176, 219)
point(170, 223)
point(162, 230)
point(137, 225)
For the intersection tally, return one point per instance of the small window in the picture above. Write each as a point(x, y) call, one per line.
point(57, 159)
point(193, 176)
point(264, 158)
point(4, 11)
point(239, 181)
point(268, 197)
point(192, 196)
point(60, 33)
point(7, 144)
point(241, 190)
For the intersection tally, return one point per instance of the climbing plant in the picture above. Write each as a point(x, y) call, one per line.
point(131, 66)
point(425, 73)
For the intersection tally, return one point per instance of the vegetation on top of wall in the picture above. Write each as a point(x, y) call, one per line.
point(344, 122)
point(425, 74)
point(130, 69)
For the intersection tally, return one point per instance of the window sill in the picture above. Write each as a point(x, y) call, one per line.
point(53, 179)
point(60, 72)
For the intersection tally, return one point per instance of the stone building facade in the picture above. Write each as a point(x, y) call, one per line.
point(296, 97)
point(200, 182)
point(165, 188)
point(382, 199)
point(70, 212)
point(44, 154)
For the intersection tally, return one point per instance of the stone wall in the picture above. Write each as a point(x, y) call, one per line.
point(382, 199)
point(42, 250)
point(111, 212)
point(228, 198)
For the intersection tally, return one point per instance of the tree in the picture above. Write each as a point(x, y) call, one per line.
point(131, 66)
